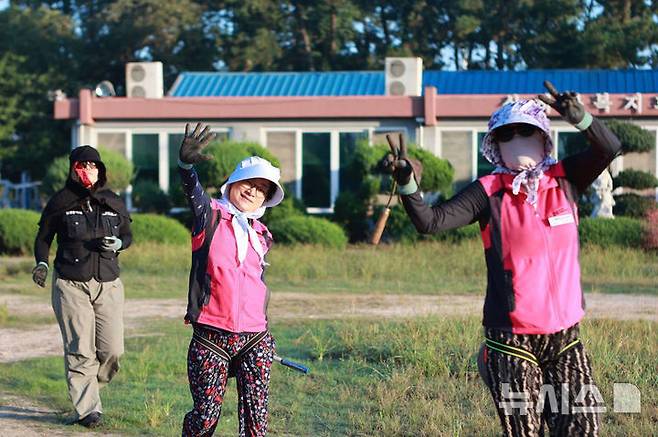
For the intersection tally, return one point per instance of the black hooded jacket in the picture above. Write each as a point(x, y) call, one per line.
point(80, 218)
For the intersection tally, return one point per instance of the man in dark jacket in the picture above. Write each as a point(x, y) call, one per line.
point(92, 227)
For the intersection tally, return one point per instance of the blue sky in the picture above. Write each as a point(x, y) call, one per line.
point(4, 4)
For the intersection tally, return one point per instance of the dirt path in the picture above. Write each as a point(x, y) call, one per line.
point(19, 344)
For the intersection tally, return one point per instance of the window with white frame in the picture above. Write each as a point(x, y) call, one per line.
point(115, 141)
point(456, 149)
point(313, 162)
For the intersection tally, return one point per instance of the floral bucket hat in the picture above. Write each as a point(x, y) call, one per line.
point(522, 111)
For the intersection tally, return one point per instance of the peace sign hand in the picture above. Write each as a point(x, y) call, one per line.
point(565, 103)
point(399, 164)
point(194, 143)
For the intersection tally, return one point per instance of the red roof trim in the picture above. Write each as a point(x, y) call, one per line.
point(89, 108)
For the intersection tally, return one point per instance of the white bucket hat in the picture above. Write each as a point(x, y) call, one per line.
point(257, 167)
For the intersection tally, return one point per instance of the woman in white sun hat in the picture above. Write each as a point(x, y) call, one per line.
point(227, 300)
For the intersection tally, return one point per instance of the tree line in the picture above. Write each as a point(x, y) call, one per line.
point(66, 44)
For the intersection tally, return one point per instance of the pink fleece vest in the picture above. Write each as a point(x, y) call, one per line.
point(238, 295)
point(540, 248)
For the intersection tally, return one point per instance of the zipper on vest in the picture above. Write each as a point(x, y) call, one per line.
point(239, 299)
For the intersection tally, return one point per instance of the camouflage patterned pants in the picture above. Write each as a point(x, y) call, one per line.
point(540, 381)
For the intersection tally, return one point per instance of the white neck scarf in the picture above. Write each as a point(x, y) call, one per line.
point(243, 231)
point(528, 178)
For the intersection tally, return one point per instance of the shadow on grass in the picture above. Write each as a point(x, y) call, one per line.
point(31, 414)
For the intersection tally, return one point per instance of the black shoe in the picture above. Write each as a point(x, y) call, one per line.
point(92, 420)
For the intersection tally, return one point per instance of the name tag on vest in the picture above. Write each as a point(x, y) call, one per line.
point(563, 219)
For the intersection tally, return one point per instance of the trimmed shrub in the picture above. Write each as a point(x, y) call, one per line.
point(437, 173)
point(227, 154)
point(633, 205)
point(620, 231)
point(636, 179)
point(308, 230)
point(361, 181)
point(351, 213)
point(56, 176)
point(18, 229)
point(157, 228)
point(633, 138)
point(119, 172)
point(290, 207)
point(149, 197)
point(119, 169)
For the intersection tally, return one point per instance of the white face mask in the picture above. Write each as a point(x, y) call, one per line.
point(522, 153)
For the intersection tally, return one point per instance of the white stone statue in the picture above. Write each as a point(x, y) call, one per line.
point(602, 196)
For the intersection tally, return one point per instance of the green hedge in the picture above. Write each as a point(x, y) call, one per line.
point(620, 231)
point(55, 176)
point(636, 179)
point(18, 229)
point(227, 155)
point(309, 230)
point(158, 228)
point(400, 229)
point(633, 138)
point(633, 205)
point(149, 197)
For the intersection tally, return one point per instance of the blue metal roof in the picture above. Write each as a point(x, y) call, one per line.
point(363, 83)
point(531, 81)
point(341, 83)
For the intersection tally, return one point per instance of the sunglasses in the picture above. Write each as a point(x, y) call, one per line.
point(261, 188)
point(507, 132)
point(85, 164)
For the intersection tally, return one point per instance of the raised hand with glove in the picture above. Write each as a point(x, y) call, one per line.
point(398, 164)
point(193, 144)
point(567, 105)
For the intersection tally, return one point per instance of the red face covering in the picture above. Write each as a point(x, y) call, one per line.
point(81, 171)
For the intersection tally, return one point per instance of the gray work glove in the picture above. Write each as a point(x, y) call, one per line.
point(194, 143)
point(399, 164)
point(565, 103)
point(40, 273)
point(110, 244)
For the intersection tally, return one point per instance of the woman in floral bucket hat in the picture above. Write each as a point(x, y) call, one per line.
point(532, 359)
point(227, 299)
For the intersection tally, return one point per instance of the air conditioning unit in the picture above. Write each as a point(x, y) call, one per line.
point(404, 76)
point(144, 80)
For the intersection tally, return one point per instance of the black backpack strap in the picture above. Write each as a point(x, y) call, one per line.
point(223, 354)
point(249, 345)
point(212, 346)
point(211, 227)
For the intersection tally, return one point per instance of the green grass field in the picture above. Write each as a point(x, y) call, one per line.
point(159, 271)
point(369, 378)
point(413, 377)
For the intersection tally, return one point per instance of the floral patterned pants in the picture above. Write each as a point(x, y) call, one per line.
point(208, 373)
